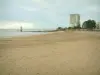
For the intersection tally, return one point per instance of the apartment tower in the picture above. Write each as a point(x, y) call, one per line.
point(74, 20)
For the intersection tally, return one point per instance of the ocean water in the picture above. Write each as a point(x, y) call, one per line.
point(7, 33)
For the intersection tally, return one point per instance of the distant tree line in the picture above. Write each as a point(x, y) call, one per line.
point(61, 29)
point(89, 25)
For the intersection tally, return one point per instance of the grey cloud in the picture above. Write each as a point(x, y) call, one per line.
point(53, 11)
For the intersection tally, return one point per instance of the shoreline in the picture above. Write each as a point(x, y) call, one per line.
point(31, 35)
point(61, 53)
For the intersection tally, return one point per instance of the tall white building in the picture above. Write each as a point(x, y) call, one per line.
point(98, 25)
point(74, 20)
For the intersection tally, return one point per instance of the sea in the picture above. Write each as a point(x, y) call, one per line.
point(9, 33)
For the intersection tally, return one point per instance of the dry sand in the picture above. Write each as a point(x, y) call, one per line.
point(62, 53)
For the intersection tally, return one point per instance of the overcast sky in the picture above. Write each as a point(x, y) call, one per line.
point(45, 13)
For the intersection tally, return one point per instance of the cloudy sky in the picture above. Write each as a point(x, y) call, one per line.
point(45, 13)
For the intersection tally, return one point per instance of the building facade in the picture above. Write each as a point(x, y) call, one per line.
point(74, 20)
point(98, 25)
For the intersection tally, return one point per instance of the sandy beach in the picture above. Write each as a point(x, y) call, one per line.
point(60, 53)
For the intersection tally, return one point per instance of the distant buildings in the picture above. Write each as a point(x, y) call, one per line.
point(74, 20)
point(98, 25)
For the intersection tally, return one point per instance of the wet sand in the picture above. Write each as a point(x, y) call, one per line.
point(62, 53)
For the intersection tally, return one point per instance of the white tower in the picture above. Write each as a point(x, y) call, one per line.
point(74, 20)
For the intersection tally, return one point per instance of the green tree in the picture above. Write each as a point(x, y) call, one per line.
point(59, 28)
point(84, 26)
point(64, 29)
point(89, 24)
point(69, 27)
